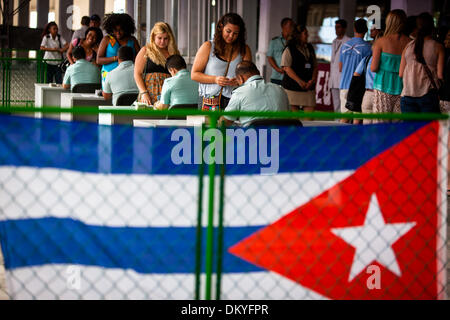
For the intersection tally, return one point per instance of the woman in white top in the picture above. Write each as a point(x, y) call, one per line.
point(422, 69)
point(54, 46)
point(216, 61)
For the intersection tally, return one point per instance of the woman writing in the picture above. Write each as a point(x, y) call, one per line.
point(90, 43)
point(300, 64)
point(150, 68)
point(215, 63)
point(120, 27)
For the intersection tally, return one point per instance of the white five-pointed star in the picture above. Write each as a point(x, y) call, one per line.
point(373, 241)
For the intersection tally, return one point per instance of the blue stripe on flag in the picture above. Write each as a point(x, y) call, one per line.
point(37, 242)
point(88, 147)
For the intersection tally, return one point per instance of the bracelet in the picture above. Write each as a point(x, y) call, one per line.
point(143, 92)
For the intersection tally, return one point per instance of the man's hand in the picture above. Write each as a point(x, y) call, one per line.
point(234, 82)
point(225, 121)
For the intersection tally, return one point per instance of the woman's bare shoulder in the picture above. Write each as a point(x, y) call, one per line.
point(206, 45)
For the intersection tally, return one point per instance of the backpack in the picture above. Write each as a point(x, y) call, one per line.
point(357, 90)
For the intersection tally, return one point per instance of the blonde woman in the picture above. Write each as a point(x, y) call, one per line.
point(387, 55)
point(150, 67)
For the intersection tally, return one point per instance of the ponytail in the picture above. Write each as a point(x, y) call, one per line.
point(425, 25)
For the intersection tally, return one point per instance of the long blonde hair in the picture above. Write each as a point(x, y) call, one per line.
point(395, 22)
point(152, 50)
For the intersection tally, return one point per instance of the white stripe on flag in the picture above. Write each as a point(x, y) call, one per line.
point(55, 282)
point(152, 200)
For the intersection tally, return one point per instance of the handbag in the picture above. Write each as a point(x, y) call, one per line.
point(64, 65)
point(213, 103)
point(357, 90)
point(434, 86)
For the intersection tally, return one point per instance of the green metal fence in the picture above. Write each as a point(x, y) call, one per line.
point(19, 73)
point(228, 195)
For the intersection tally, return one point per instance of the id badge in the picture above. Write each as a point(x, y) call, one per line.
point(307, 66)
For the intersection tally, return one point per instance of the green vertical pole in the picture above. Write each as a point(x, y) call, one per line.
point(210, 229)
point(220, 226)
point(8, 83)
point(44, 73)
point(3, 83)
point(38, 67)
point(198, 238)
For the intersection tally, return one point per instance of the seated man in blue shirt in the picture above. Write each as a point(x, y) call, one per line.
point(121, 79)
point(254, 95)
point(180, 88)
point(81, 71)
point(352, 52)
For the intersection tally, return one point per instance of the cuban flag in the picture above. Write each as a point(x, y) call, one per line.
point(103, 212)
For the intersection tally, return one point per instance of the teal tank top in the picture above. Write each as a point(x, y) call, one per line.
point(387, 79)
point(112, 50)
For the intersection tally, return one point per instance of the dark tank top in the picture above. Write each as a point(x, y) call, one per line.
point(152, 67)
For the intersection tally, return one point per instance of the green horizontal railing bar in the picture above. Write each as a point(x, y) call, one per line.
point(277, 115)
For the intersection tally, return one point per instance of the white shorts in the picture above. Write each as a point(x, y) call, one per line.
point(343, 95)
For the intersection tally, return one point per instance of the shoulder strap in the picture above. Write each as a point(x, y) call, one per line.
point(112, 41)
point(429, 73)
point(226, 71)
point(367, 61)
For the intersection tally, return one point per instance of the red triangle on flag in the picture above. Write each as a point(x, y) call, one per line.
point(303, 247)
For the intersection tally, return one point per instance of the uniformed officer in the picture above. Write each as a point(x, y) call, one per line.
point(276, 48)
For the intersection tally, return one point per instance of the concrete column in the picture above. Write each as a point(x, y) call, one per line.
point(24, 21)
point(11, 8)
point(98, 7)
point(130, 7)
point(240, 7)
point(65, 19)
point(347, 11)
point(270, 15)
point(250, 16)
point(412, 7)
point(154, 13)
point(24, 16)
point(43, 7)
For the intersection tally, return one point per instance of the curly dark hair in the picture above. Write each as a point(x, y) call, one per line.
point(219, 42)
point(98, 33)
point(125, 21)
